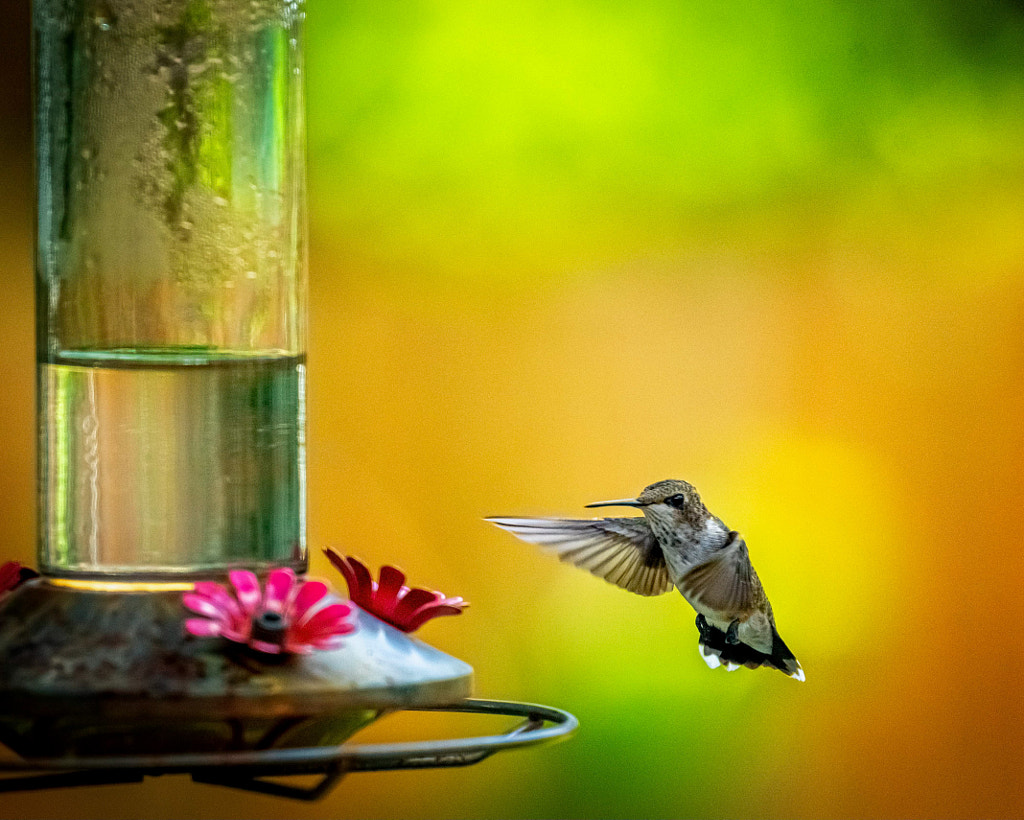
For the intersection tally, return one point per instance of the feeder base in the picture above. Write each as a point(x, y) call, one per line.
point(110, 672)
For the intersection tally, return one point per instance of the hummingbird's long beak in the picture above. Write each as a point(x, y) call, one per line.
point(619, 502)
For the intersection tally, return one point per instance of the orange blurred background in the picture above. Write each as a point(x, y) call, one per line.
point(561, 251)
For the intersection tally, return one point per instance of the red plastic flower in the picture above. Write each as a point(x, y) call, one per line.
point(390, 600)
point(288, 616)
point(12, 574)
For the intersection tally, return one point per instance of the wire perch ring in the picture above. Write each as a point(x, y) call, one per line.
point(245, 769)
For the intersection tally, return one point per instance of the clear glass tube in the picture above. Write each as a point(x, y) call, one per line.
point(171, 285)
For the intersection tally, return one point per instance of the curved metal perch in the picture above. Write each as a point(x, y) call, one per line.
point(245, 770)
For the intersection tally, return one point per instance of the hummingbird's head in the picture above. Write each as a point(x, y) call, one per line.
point(667, 505)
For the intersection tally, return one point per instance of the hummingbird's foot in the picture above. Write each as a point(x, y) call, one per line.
point(703, 627)
point(732, 634)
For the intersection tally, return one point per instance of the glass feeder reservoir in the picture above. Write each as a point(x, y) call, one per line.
point(171, 286)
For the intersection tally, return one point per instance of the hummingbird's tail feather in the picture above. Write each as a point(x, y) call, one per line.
point(716, 651)
point(783, 659)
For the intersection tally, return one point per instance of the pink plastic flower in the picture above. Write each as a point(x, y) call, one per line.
point(390, 600)
point(288, 616)
point(12, 574)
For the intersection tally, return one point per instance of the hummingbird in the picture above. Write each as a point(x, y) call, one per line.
point(676, 543)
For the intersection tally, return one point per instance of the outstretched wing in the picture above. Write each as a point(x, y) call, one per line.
point(726, 583)
point(620, 550)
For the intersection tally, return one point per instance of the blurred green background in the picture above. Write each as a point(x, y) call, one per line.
point(563, 250)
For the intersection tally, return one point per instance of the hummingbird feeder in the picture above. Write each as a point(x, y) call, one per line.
point(172, 629)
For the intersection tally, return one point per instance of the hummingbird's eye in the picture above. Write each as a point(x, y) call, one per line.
point(678, 501)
